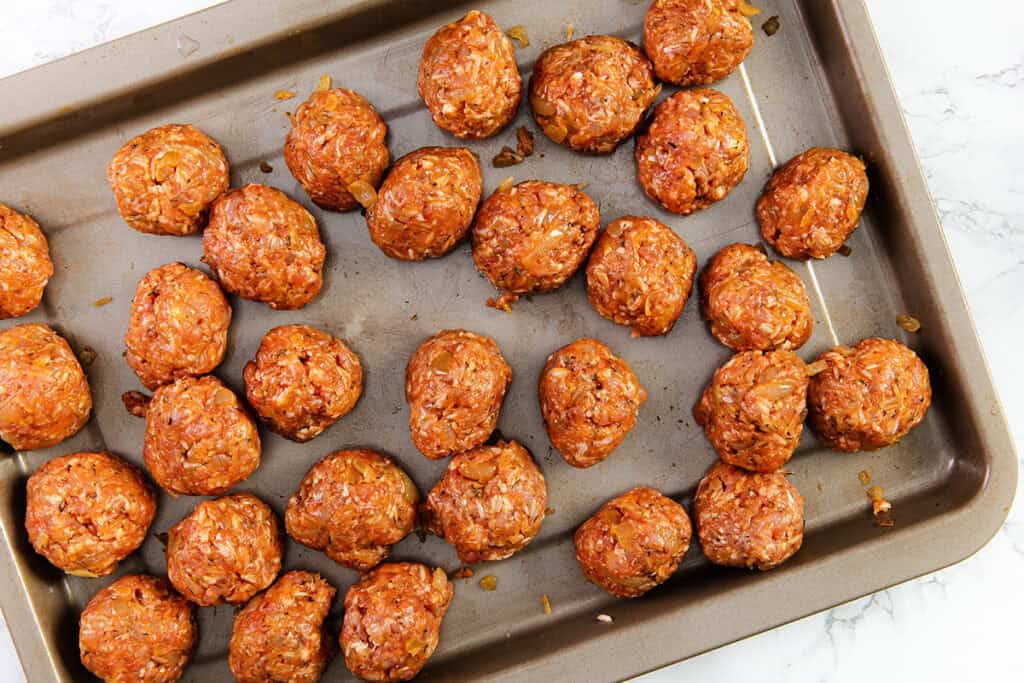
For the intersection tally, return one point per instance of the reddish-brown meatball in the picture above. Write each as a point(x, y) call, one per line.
point(868, 396)
point(302, 381)
point(353, 505)
point(640, 274)
point(263, 246)
point(633, 543)
point(468, 77)
point(748, 519)
point(137, 630)
point(695, 151)
point(25, 265)
point(44, 396)
point(178, 326)
point(752, 303)
point(165, 179)
point(226, 551)
point(812, 204)
point(589, 398)
point(489, 504)
point(532, 237)
point(696, 42)
point(336, 145)
point(393, 620)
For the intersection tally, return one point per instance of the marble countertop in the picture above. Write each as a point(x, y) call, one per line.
point(959, 73)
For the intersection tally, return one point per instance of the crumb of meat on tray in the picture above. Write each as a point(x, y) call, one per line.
point(102, 301)
point(546, 602)
point(771, 25)
point(507, 157)
point(463, 573)
point(864, 476)
point(524, 141)
point(265, 167)
point(87, 356)
point(908, 323)
point(135, 402)
point(284, 95)
point(489, 582)
point(518, 33)
point(880, 507)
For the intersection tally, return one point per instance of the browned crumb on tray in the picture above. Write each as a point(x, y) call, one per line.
point(880, 507)
point(102, 301)
point(864, 476)
point(135, 402)
point(845, 250)
point(489, 582)
point(87, 356)
point(265, 167)
point(771, 26)
point(524, 141)
point(546, 602)
point(507, 157)
point(324, 83)
point(284, 95)
point(908, 322)
point(518, 33)
point(463, 573)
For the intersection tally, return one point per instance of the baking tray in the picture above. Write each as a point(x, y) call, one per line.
point(819, 81)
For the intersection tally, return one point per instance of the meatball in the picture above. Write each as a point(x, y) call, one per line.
point(752, 303)
point(469, 79)
point(279, 635)
point(754, 408)
point(137, 629)
point(812, 204)
point(426, 204)
point(695, 151)
point(336, 142)
point(868, 396)
point(748, 519)
point(532, 238)
point(165, 179)
point(178, 326)
point(489, 504)
point(393, 620)
point(226, 551)
point(696, 42)
point(265, 247)
point(353, 505)
point(591, 94)
point(589, 398)
point(633, 543)
point(44, 396)
point(25, 265)
point(640, 274)
point(454, 384)
point(302, 381)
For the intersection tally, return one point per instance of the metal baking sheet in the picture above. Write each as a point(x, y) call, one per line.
point(819, 81)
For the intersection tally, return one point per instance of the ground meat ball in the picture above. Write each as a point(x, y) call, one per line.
point(695, 151)
point(640, 274)
point(279, 635)
point(426, 204)
point(748, 519)
point(25, 265)
point(178, 327)
point(302, 381)
point(812, 204)
point(337, 139)
point(868, 396)
point(454, 384)
point(263, 246)
point(137, 629)
point(165, 179)
point(696, 42)
point(227, 550)
point(353, 505)
point(589, 398)
point(633, 543)
point(393, 620)
point(468, 77)
point(44, 396)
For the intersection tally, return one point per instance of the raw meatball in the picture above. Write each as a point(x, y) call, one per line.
point(695, 151)
point(812, 204)
point(302, 381)
point(468, 77)
point(137, 629)
point(489, 504)
point(265, 247)
point(86, 512)
point(696, 42)
point(44, 396)
point(532, 238)
point(353, 505)
point(589, 398)
point(591, 94)
point(454, 384)
point(279, 635)
point(178, 327)
point(640, 274)
point(748, 519)
point(25, 265)
point(165, 179)
point(633, 543)
point(200, 441)
point(869, 396)
point(754, 408)
point(426, 204)
point(393, 620)
point(336, 141)
point(226, 551)
point(752, 303)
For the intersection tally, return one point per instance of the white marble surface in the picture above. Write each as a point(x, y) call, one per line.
point(959, 72)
